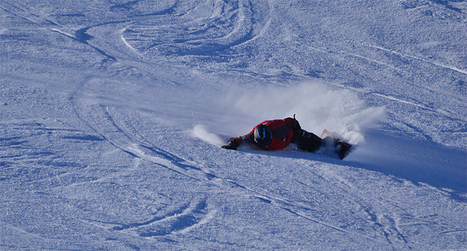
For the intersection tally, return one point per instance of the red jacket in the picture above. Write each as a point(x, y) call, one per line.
point(282, 133)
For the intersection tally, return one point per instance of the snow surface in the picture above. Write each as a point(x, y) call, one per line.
point(112, 113)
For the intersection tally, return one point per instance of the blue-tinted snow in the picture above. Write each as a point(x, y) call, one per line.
point(112, 114)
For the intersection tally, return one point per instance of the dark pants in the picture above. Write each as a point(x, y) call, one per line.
point(307, 141)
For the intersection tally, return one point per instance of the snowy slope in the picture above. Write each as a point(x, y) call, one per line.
point(112, 114)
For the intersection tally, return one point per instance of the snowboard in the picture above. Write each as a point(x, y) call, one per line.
point(342, 147)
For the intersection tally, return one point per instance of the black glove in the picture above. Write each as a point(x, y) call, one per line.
point(232, 145)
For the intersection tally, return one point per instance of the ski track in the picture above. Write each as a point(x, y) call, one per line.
point(186, 33)
point(384, 223)
point(21, 12)
point(230, 24)
point(386, 96)
point(184, 219)
point(422, 59)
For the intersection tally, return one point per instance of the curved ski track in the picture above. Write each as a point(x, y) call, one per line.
point(230, 24)
point(110, 126)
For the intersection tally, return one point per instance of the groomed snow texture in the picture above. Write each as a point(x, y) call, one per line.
point(112, 114)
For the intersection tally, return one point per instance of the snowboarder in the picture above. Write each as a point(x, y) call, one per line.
point(279, 133)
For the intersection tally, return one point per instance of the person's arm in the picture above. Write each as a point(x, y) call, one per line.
point(236, 142)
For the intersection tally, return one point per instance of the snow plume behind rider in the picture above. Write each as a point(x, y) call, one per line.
point(320, 106)
point(317, 105)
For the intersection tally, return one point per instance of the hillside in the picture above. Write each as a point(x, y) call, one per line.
point(112, 114)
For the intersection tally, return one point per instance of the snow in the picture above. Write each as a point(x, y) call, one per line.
point(112, 114)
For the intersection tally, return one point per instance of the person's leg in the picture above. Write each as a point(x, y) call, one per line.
point(308, 141)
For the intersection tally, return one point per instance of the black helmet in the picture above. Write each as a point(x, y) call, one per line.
point(263, 135)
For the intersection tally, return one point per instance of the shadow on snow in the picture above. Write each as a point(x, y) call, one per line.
point(417, 161)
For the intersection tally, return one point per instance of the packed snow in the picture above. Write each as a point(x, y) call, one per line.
point(113, 113)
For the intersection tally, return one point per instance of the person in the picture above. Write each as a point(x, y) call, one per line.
point(279, 133)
